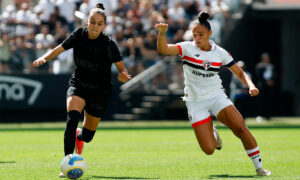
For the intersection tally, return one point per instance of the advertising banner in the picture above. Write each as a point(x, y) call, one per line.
point(38, 91)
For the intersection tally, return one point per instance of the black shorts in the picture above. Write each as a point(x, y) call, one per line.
point(96, 100)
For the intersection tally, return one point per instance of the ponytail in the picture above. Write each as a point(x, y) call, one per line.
point(99, 10)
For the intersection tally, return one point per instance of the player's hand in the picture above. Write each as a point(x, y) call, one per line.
point(39, 62)
point(162, 27)
point(124, 77)
point(253, 91)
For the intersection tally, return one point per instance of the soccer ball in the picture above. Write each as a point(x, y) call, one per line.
point(73, 166)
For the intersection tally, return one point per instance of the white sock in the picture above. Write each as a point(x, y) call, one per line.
point(254, 154)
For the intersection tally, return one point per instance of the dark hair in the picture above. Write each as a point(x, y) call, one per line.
point(100, 6)
point(99, 10)
point(202, 18)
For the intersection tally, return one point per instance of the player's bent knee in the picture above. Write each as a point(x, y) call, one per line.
point(87, 135)
point(209, 151)
point(88, 139)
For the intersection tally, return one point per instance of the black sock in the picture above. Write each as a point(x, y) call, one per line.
point(70, 131)
point(85, 135)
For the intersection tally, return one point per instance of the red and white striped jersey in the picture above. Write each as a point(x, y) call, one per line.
point(201, 68)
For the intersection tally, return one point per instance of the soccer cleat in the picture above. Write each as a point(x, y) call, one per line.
point(78, 144)
point(218, 138)
point(263, 172)
point(61, 175)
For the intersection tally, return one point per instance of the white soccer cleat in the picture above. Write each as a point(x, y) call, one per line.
point(263, 172)
point(218, 138)
point(61, 175)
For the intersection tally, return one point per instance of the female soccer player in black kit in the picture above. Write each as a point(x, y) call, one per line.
point(90, 84)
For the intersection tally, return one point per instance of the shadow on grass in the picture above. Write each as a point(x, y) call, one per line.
point(7, 162)
point(152, 128)
point(109, 177)
point(230, 176)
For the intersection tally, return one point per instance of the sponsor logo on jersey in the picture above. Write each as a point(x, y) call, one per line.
point(202, 74)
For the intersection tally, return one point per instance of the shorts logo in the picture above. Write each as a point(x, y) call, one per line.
point(206, 64)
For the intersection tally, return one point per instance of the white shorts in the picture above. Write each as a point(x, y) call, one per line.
point(200, 112)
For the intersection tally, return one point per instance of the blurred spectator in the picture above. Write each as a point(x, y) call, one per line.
point(84, 9)
point(46, 8)
point(239, 93)
point(176, 75)
point(30, 45)
point(178, 36)
point(21, 57)
point(25, 20)
point(56, 19)
point(110, 5)
point(44, 42)
point(4, 53)
point(60, 33)
point(67, 9)
point(122, 8)
point(134, 11)
point(63, 63)
point(177, 13)
point(191, 8)
point(114, 24)
point(9, 20)
point(265, 81)
point(149, 49)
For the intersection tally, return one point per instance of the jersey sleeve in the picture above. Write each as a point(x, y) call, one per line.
point(182, 47)
point(113, 52)
point(227, 59)
point(70, 41)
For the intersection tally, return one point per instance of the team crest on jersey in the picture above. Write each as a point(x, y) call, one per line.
point(206, 64)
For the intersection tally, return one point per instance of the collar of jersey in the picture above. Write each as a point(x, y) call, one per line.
point(212, 43)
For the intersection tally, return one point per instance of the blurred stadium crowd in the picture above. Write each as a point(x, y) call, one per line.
point(28, 29)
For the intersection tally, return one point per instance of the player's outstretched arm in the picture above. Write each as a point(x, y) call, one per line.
point(48, 56)
point(245, 79)
point(123, 74)
point(162, 46)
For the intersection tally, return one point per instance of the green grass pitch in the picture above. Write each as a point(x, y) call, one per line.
point(149, 150)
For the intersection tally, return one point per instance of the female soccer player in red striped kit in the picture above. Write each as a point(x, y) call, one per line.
point(202, 60)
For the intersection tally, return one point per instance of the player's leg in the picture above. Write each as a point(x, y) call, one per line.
point(86, 134)
point(201, 121)
point(75, 105)
point(94, 110)
point(90, 124)
point(231, 117)
point(204, 134)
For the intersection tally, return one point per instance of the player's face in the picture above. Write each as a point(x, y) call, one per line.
point(96, 24)
point(201, 35)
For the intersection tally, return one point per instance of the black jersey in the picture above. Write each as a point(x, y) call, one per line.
point(93, 59)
